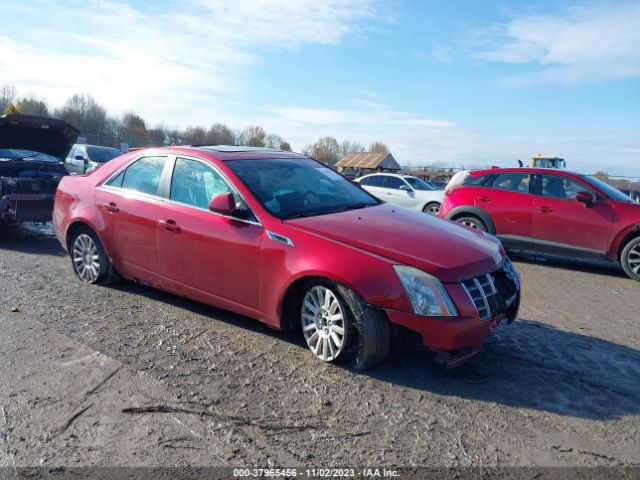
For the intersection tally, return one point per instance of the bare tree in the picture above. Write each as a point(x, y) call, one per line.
point(219, 134)
point(194, 136)
point(378, 147)
point(254, 136)
point(133, 130)
point(8, 95)
point(32, 106)
point(325, 150)
point(84, 113)
point(285, 146)
point(347, 146)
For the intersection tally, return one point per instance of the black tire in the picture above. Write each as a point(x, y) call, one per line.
point(432, 208)
point(104, 273)
point(630, 259)
point(472, 221)
point(371, 325)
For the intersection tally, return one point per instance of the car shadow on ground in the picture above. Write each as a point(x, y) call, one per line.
point(587, 265)
point(30, 238)
point(528, 364)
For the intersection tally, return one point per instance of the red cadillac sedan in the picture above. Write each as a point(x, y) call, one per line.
point(281, 238)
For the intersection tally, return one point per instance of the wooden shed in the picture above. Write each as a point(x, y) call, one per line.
point(361, 163)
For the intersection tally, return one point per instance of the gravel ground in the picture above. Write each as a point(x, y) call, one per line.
point(133, 376)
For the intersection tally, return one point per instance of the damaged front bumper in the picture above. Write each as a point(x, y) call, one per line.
point(17, 208)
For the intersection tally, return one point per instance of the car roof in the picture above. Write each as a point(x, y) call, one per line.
point(241, 152)
point(477, 173)
point(227, 152)
point(399, 175)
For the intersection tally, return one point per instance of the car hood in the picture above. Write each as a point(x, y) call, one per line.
point(439, 247)
point(39, 134)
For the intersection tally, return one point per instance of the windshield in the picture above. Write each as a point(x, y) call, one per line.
point(418, 184)
point(17, 154)
point(608, 190)
point(293, 188)
point(102, 154)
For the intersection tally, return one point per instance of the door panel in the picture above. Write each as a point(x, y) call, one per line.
point(203, 250)
point(510, 206)
point(563, 223)
point(128, 205)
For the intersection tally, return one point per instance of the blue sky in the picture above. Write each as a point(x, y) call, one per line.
point(458, 82)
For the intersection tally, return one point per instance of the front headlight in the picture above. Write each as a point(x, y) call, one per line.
point(426, 294)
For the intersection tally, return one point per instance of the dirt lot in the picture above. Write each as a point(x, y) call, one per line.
point(561, 386)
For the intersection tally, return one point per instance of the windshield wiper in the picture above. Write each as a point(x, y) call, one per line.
point(355, 206)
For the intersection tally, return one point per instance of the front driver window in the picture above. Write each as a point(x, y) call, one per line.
point(556, 186)
point(394, 182)
point(195, 183)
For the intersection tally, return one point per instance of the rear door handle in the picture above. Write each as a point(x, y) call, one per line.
point(484, 199)
point(111, 207)
point(170, 225)
point(545, 209)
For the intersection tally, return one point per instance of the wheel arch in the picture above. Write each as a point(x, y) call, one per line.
point(294, 291)
point(458, 212)
point(633, 233)
point(73, 228)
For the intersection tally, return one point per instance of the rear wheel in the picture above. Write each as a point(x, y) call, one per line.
point(433, 208)
point(630, 258)
point(472, 222)
point(89, 259)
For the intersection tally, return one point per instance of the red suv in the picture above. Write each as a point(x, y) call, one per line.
point(551, 211)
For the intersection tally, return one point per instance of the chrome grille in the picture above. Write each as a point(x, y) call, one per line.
point(484, 294)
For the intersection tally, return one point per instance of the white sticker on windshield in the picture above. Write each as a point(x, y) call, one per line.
point(329, 173)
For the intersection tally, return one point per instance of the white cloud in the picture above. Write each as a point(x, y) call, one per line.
point(177, 67)
point(371, 114)
point(584, 43)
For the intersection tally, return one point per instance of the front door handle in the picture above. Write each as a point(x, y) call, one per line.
point(545, 209)
point(170, 225)
point(111, 207)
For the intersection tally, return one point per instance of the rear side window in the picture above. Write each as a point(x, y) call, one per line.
point(195, 183)
point(142, 176)
point(375, 181)
point(515, 182)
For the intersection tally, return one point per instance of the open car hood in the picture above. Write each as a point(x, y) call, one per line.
point(39, 134)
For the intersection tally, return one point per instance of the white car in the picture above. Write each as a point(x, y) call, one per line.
point(405, 190)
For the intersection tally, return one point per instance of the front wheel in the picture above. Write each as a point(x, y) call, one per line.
point(336, 323)
point(630, 259)
point(432, 208)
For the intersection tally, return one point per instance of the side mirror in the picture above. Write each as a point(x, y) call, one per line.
point(223, 204)
point(585, 197)
point(404, 188)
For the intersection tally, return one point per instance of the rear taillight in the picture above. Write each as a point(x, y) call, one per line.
point(450, 191)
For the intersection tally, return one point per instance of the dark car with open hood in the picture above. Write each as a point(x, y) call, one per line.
point(31, 153)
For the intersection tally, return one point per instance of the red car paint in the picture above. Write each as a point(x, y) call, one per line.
point(238, 266)
point(532, 219)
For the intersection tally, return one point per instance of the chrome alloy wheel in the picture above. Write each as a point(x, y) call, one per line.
point(323, 323)
point(469, 223)
point(86, 259)
point(633, 259)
